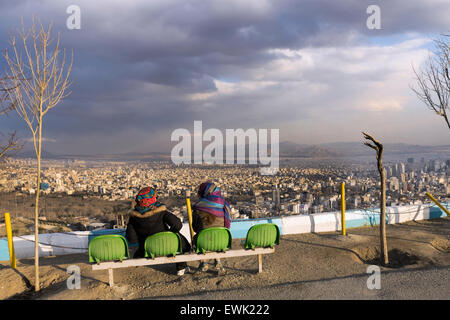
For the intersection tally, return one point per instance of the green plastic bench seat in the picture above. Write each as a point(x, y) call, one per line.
point(162, 244)
point(110, 247)
point(262, 235)
point(216, 239)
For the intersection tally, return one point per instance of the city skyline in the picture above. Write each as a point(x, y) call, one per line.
point(298, 188)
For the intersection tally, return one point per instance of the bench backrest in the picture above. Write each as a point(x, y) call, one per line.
point(262, 235)
point(162, 244)
point(213, 239)
point(108, 247)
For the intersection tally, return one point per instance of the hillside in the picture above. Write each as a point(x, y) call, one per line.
point(287, 149)
point(309, 259)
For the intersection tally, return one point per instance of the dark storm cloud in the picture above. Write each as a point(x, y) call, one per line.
point(137, 63)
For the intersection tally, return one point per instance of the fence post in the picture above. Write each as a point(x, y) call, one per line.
point(189, 212)
point(12, 256)
point(437, 203)
point(343, 207)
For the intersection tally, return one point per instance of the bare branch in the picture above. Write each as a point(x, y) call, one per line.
point(433, 81)
point(371, 145)
point(378, 146)
point(11, 146)
point(5, 104)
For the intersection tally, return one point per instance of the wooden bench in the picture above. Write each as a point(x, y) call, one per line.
point(111, 265)
point(260, 240)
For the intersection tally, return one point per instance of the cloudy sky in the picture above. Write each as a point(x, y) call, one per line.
point(309, 68)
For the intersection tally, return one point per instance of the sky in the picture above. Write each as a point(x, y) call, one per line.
point(312, 69)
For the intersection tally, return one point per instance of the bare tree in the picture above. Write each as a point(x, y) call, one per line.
point(378, 147)
point(434, 80)
point(39, 77)
point(11, 144)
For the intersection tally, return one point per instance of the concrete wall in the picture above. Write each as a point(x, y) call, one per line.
point(78, 242)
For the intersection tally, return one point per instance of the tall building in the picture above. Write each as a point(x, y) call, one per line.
point(402, 168)
point(259, 200)
point(436, 165)
point(395, 170)
point(403, 177)
point(276, 197)
point(294, 208)
point(388, 172)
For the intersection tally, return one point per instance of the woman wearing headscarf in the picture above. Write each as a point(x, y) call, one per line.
point(149, 217)
point(212, 210)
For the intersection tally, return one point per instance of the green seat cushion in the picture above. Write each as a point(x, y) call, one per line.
point(216, 239)
point(162, 244)
point(109, 247)
point(263, 236)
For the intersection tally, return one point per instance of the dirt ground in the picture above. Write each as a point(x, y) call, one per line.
point(303, 257)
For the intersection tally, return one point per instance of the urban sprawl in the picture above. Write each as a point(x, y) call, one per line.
point(295, 189)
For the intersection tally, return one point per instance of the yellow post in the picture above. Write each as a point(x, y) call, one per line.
point(189, 211)
point(343, 207)
point(12, 256)
point(437, 203)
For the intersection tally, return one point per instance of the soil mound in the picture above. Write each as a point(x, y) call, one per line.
point(397, 258)
point(442, 245)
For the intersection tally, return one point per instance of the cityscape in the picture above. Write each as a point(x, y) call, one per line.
point(302, 187)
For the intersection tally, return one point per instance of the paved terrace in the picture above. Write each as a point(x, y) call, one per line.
point(321, 265)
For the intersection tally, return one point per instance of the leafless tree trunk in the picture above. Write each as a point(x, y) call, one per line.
point(378, 147)
point(39, 80)
point(434, 80)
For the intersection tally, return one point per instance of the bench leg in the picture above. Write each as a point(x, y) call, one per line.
point(111, 277)
point(259, 263)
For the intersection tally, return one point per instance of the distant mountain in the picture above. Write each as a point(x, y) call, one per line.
point(359, 149)
point(32, 154)
point(293, 150)
point(112, 157)
point(287, 149)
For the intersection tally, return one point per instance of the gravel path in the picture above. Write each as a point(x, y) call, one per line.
point(428, 284)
